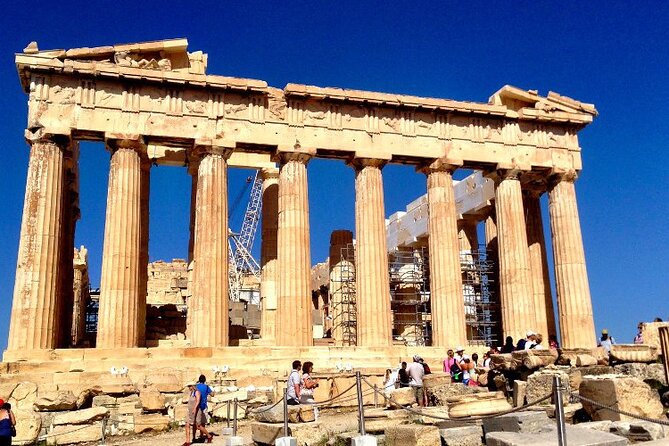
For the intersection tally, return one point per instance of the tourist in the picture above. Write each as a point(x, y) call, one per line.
point(527, 342)
point(475, 359)
point(7, 423)
point(487, 357)
point(606, 341)
point(638, 339)
point(204, 391)
point(508, 345)
point(466, 366)
point(416, 372)
point(307, 386)
point(402, 376)
point(552, 342)
point(425, 366)
point(389, 382)
point(449, 361)
point(293, 384)
point(193, 395)
point(459, 352)
point(538, 339)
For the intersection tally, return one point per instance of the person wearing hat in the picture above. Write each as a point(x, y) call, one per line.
point(527, 342)
point(606, 341)
point(416, 371)
point(7, 423)
point(459, 353)
point(193, 395)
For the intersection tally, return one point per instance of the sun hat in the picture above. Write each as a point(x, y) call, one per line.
point(605, 331)
point(530, 333)
point(459, 348)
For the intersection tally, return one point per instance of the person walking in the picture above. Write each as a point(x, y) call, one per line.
point(193, 395)
point(7, 424)
point(203, 392)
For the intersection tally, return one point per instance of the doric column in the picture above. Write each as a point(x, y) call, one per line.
point(446, 297)
point(192, 170)
point(374, 327)
point(145, 182)
point(80, 287)
point(208, 306)
point(577, 325)
point(268, 252)
point(120, 288)
point(342, 287)
point(517, 299)
point(70, 215)
point(294, 326)
point(35, 306)
point(543, 298)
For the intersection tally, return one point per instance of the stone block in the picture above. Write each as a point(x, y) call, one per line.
point(604, 425)
point(104, 401)
point(427, 414)
point(165, 380)
point(533, 359)
point(644, 431)
point(633, 353)
point(67, 434)
point(523, 422)
point(503, 361)
point(440, 395)
point(622, 393)
point(404, 396)
point(55, 401)
point(479, 405)
point(274, 415)
point(24, 396)
point(575, 437)
point(266, 433)
point(220, 411)
point(117, 385)
point(569, 356)
point(569, 411)
point(178, 413)
point(151, 422)
point(652, 374)
point(540, 384)
point(307, 413)
point(151, 399)
point(240, 394)
point(83, 416)
point(650, 333)
point(462, 436)
point(413, 435)
point(436, 379)
point(519, 392)
point(585, 360)
point(28, 425)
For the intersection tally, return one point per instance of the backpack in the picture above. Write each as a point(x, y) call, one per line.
point(456, 373)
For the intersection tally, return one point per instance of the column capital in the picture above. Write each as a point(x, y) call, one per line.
point(533, 191)
point(359, 163)
point(269, 173)
point(62, 138)
point(285, 154)
point(204, 147)
point(443, 164)
point(132, 141)
point(556, 177)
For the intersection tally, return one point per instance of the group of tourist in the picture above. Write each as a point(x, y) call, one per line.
point(196, 419)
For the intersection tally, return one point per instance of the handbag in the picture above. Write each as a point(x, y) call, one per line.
point(13, 431)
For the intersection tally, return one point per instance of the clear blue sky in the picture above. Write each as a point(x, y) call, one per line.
point(614, 54)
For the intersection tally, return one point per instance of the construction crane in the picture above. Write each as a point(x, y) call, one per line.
point(240, 244)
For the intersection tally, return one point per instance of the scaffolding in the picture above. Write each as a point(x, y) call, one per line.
point(479, 283)
point(410, 296)
point(343, 298)
point(409, 277)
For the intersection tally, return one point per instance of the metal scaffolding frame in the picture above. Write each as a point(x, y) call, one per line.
point(343, 304)
point(479, 281)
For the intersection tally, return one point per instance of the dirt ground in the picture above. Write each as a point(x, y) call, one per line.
point(177, 438)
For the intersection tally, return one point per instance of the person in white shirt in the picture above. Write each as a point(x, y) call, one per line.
point(294, 384)
point(416, 372)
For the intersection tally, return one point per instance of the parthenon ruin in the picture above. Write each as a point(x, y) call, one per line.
point(153, 103)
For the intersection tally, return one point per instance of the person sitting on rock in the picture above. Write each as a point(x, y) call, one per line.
point(508, 345)
point(606, 341)
point(293, 384)
point(527, 342)
point(449, 361)
point(638, 339)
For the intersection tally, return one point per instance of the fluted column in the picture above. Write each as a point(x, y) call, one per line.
point(446, 297)
point(33, 320)
point(294, 326)
point(543, 298)
point(208, 306)
point(80, 288)
point(268, 252)
point(145, 181)
point(374, 327)
point(120, 288)
point(577, 325)
point(517, 299)
point(342, 288)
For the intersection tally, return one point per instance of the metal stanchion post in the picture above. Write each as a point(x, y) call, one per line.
point(104, 428)
point(361, 409)
point(227, 418)
point(285, 412)
point(376, 398)
point(559, 411)
point(234, 422)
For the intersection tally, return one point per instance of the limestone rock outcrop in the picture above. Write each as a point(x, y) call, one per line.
point(622, 393)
